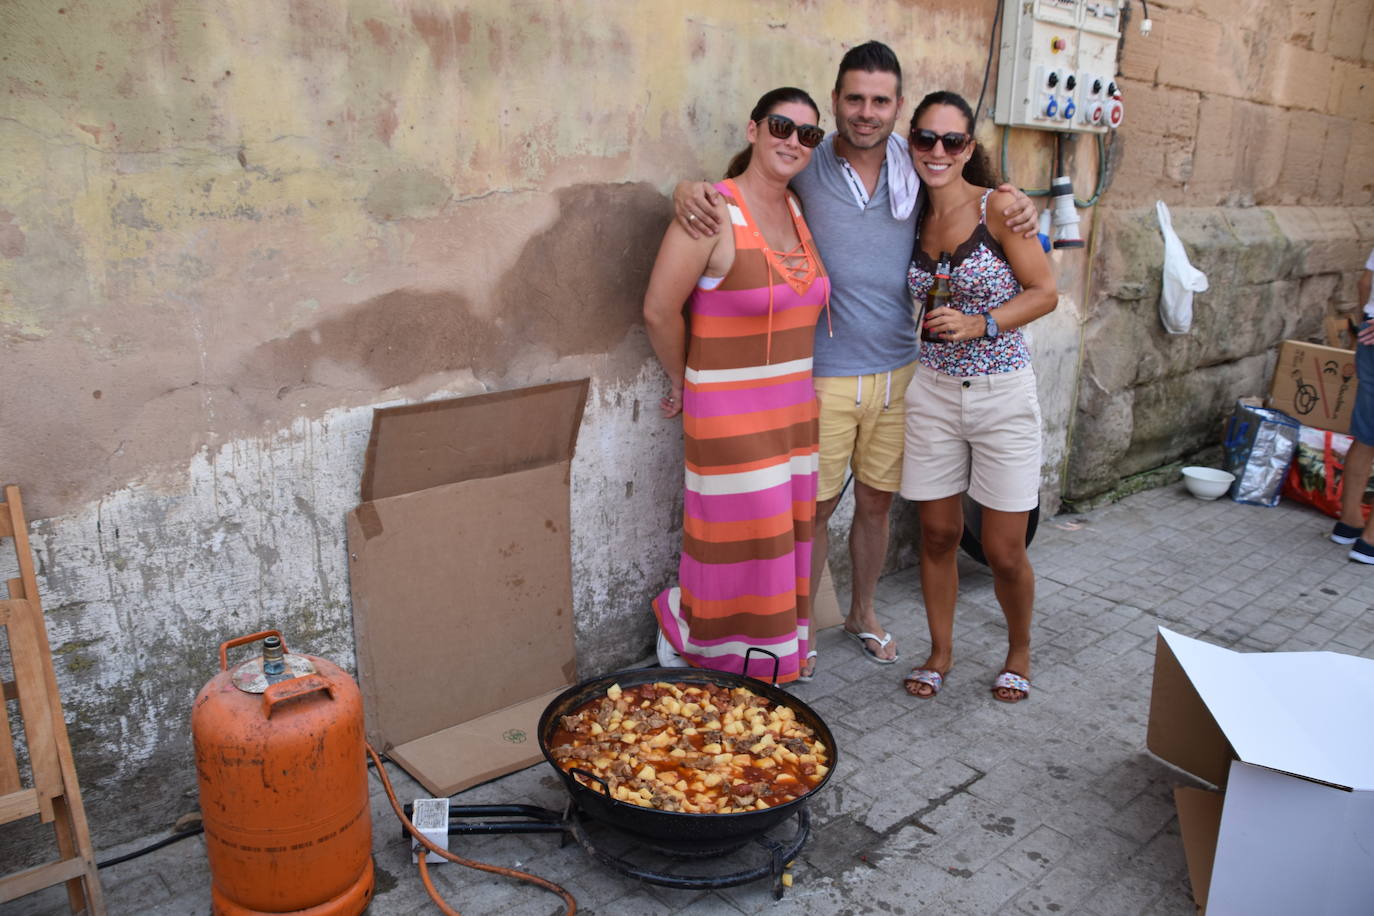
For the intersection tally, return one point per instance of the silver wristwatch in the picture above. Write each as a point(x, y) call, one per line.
point(992, 330)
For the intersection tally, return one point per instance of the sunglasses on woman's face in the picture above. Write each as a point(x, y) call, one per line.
point(781, 126)
point(924, 141)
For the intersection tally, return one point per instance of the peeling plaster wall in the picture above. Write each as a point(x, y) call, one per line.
point(228, 232)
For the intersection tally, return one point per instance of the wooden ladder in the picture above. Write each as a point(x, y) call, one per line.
point(52, 793)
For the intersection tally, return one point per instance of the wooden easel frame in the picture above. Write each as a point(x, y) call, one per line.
point(54, 795)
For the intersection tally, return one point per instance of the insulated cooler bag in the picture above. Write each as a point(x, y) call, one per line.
point(1259, 446)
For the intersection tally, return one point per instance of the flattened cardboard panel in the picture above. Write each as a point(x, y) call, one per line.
point(462, 600)
point(1181, 730)
point(472, 753)
point(825, 607)
point(1199, 820)
point(419, 446)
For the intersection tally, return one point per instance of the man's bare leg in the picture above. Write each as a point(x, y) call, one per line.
point(868, 539)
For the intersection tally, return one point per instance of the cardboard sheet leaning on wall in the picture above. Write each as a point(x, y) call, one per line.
point(461, 571)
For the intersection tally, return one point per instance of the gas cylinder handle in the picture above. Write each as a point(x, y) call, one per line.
point(282, 691)
point(224, 647)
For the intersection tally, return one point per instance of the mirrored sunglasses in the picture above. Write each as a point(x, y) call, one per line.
point(954, 143)
point(781, 126)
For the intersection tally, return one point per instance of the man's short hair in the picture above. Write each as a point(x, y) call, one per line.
point(871, 57)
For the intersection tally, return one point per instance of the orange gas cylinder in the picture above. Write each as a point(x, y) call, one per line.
point(282, 770)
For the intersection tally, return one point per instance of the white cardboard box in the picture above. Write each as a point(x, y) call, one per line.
point(1288, 739)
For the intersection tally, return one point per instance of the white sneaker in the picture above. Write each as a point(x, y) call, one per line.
point(667, 657)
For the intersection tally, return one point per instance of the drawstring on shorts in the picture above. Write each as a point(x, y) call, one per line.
point(859, 391)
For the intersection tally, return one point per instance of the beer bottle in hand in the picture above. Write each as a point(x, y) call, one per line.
point(938, 297)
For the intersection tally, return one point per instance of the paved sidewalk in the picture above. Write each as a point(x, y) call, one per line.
point(958, 805)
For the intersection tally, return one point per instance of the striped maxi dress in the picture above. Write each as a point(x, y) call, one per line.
point(751, 447)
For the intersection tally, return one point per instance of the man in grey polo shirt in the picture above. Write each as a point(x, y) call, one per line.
point(860, 194)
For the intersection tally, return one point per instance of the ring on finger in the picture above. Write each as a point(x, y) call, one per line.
point(691, 216)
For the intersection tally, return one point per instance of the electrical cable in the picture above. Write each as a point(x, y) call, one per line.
point(152, 847)
point(1103, 174)
point(987, 65)
point(428, 844)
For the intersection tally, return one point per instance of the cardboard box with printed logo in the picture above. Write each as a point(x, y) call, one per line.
point(1314, 385)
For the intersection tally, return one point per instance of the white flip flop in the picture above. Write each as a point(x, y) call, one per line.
point(882, 641)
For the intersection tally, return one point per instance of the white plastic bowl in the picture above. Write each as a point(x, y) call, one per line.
point(1207, 483)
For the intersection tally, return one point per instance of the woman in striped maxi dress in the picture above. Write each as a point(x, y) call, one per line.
point(740, 376)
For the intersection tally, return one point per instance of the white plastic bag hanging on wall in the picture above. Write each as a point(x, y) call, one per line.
point(1181, 279)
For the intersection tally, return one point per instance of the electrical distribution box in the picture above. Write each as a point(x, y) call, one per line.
point(1057, 70)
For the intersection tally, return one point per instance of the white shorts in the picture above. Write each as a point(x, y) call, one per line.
point(979, 434)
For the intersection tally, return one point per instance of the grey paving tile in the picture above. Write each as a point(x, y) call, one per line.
point(129, 895)
point(909, 797)
point(1060, 891)
point(1177, 898)
point(1126, 895)
point(988, 890)
point(1145, 815)
point(1035, 854)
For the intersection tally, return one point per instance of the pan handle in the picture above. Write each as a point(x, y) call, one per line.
point(776, 662)
point(605, 789)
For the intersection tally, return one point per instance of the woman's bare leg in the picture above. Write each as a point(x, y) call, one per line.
point(942, 524)
point(1013, 580)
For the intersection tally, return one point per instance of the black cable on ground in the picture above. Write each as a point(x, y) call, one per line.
point(152, 847)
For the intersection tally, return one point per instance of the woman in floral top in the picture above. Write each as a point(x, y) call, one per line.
point(972, 418)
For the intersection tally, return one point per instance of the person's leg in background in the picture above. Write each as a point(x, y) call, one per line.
point(1354, 479)
point(1352, 528)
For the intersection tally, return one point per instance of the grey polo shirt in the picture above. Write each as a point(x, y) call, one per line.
point(866, 253)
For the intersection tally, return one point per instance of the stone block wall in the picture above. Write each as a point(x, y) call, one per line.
point(1147, 398)
point(1236, 102)
point(1254, 122)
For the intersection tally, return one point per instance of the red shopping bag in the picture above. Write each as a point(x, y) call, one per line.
point(1316, 475)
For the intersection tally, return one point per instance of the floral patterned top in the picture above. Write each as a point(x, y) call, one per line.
point(980, 280)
